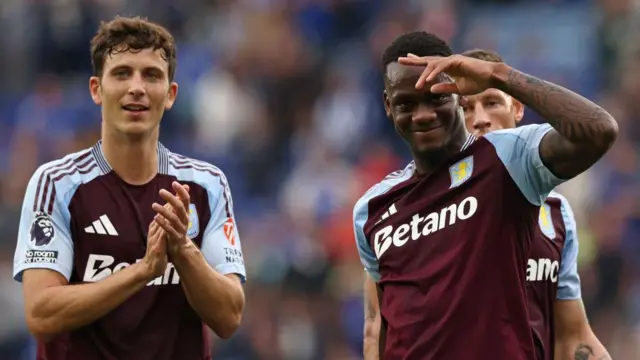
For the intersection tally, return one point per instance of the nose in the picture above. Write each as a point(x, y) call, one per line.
point(481, 122)
point(136, 86)
point(424, 114)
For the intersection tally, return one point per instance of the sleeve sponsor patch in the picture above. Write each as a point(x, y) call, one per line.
point(42, 233)
point(233, 256)
point(40, 257)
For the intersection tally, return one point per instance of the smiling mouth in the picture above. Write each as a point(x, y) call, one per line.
point(424, 131)
point(135, 108)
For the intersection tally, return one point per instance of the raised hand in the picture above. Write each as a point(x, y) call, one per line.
point(173, 217)
point(471, 76)
point(155, 258)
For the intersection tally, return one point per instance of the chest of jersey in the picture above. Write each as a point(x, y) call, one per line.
point(461, 210)
point(110, 222)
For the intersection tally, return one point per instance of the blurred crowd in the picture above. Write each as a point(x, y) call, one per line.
point(285, 97)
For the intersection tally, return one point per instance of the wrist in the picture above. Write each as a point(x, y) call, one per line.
point(142, 272)
point(183, 249)
point(500, 75)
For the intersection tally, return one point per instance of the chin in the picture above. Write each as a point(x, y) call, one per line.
point(136, 128)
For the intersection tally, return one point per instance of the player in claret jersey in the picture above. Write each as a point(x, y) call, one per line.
point(445, 242)
point(127, 250)
point(555, 306)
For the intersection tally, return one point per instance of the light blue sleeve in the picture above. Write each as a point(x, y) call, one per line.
point(367, 256)
point(568, 278)
point(519, 151)
point(44, 234)
point(361, 215)
point(221, 240)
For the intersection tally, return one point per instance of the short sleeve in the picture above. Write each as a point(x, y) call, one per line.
point(367, 256)
point(221, 240)
point(568, 278)
point(44, 234)
point(519, 151)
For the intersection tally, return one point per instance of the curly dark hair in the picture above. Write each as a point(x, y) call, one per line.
point(131, 34)
point(420, 43)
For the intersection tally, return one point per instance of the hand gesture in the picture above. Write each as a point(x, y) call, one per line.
point(173, 218)
point(471, 76)
point(155, 258)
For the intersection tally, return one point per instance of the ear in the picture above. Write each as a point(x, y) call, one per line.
point(171, 95)
point(94, 90)
point(387, 103)
point(518, 110)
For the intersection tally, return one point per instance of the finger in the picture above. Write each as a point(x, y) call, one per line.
point(438, 68)
point(166, 226)
point(170, 216)
point(445, 88)
point(426, 74)
point(414, 56)
point(153, 230)
point(178, 206)
point(417, 60)
point(183, 193)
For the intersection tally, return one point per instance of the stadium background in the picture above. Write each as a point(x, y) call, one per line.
point(284, 96)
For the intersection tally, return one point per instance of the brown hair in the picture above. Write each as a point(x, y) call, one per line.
point(485, 55)
point(131, 34)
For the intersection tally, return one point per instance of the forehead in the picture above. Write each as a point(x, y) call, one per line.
point(488, 94)
point(143, 58)
point(401, 79)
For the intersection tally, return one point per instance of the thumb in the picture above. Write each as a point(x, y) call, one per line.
point(444, 88)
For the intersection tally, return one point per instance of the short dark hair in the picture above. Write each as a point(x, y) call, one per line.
point(131, 34)
point(420, 43)
point(486, 55)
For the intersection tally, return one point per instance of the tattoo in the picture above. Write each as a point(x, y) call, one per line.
point(586, 130)
point(585, 352)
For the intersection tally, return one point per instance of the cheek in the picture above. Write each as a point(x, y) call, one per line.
point(502, 119)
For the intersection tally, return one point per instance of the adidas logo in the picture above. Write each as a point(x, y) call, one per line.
point(101, 226)
point(392, 210)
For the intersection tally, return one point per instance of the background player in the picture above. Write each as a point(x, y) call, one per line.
point(97, 284)
point(563, 312)
point(429, 288)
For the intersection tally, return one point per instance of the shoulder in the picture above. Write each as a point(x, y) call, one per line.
point(200, 172)
point(390, 181)
point(558, 201)
point(519, 134)
point(555, 199)
point(61, 176)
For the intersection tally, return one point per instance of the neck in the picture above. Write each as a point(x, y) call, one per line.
point(428, 161)
point(135, 160)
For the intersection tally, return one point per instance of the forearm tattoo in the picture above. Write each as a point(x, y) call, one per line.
point(585, 352)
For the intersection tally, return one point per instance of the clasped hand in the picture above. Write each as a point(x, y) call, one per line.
point(168, 230)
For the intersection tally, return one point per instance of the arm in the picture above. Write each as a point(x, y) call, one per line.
point(218, 299)
point(372, 320)
point(43, 263)
point(211, 276)
point(374, 328)
point(52, 306)
point(574, 338)
point(583, 131)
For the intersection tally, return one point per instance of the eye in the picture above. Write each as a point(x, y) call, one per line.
point(121, 73)
point(491, 103)
point(440, 98)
